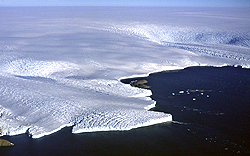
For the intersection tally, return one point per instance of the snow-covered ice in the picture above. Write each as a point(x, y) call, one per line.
point(61, 66)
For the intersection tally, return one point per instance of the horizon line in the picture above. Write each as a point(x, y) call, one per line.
point(124, 6)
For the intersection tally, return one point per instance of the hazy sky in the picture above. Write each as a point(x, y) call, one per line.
point(208, 3)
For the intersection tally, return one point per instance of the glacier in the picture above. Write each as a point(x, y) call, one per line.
point(62, 66)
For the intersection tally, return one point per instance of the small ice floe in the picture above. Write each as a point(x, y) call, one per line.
point(181, 91)
point(219, 113)
point(173, 94)
point(194, 99)
point(201, 93)
point(207, 96)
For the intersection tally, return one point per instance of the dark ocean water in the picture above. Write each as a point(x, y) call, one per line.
point(210, 108)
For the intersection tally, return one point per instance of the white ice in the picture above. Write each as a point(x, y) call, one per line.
point(61, 66)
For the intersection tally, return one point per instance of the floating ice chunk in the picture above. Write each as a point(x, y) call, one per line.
point(181, 92)
point(194, 99)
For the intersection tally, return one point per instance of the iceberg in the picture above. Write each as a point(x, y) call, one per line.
point(64, 69)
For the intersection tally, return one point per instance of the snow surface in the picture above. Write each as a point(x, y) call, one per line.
point(61, 66)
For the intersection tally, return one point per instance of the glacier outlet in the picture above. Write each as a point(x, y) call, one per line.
point(61, 67)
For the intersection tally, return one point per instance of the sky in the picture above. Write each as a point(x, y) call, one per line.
point(190, 3)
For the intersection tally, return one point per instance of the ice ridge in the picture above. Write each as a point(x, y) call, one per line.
point(167, 34)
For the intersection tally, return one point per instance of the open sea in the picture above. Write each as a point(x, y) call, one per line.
point(211, 116)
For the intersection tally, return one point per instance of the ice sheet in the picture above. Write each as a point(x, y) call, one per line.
point(61, 67)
